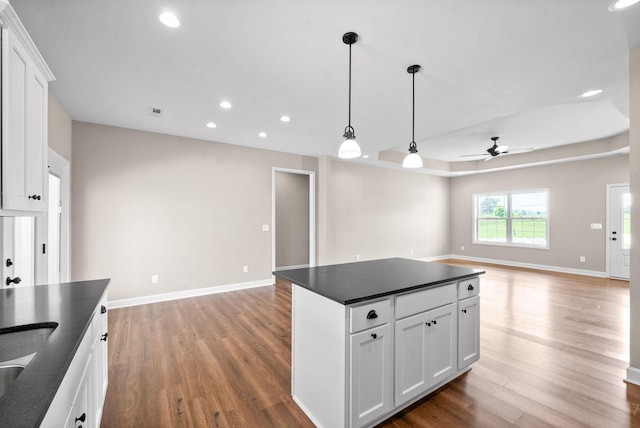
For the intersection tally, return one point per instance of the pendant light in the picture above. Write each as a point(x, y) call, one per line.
point(349, 149)
point(413, 159)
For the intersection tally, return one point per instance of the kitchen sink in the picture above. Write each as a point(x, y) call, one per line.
point(20, 343)
point(7, 375)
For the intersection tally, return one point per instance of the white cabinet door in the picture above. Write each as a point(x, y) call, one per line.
point(468, 331)
point(411, 375)
point(79, 416)
point(442, 345)
point(371, 375)
point(425, 351)
point(24, 128)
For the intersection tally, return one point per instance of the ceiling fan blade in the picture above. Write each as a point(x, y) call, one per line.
point(477, 154)
point(527, 149)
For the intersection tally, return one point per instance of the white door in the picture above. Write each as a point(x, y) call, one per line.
point(619, 231)
point(18, 251)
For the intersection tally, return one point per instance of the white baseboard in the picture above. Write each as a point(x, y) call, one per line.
point(585, 272)
point(633, 375)
point(292, 267)
point(155, 298)
point(433, 259)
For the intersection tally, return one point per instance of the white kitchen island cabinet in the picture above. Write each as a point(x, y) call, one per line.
point(371, 338)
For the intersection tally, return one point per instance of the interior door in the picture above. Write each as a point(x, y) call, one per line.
point(619, 231)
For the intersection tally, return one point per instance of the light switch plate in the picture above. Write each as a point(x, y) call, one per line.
point(265, 227)
point(596, 225)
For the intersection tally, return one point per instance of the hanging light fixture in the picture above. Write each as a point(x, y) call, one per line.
point(413, 159)
point(349, 149)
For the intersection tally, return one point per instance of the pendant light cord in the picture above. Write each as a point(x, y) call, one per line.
point(349, 126)
point(413, 106)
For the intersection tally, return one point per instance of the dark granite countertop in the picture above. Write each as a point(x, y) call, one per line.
point(357, 282)
point(71, 306)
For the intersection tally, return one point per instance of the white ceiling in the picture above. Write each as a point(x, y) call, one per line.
point(511, 68)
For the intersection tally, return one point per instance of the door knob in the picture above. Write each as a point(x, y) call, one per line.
point(614, 239)
point(35, 197)
point(15, 280)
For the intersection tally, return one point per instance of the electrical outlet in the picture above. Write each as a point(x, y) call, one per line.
point(245, 268)
point(461, 247)
point(357, 257)
point(155, 279)
point(583, 259)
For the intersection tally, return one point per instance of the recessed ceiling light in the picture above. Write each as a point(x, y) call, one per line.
point(225, 104)
point(169, 19)
point(365, 156)
point(285, 118)
point(592, 92)
point(262, 135)
point(211, 125)
point(621, 4)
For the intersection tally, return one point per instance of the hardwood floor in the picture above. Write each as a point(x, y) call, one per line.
point(554, 350)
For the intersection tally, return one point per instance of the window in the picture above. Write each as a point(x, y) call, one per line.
point(512, 218)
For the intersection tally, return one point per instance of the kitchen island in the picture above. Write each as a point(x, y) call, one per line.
point(371, 338)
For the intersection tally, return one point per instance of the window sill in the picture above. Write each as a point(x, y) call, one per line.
point(511, 245)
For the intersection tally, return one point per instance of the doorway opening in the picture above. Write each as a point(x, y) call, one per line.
point(57, 220)
point(293, 219)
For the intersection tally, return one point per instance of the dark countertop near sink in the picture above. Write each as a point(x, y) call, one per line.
point(71, 305)
point(357, 282)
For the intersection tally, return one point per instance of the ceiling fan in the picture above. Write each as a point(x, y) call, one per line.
point(497, 150)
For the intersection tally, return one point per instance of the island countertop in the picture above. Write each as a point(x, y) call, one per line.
point(360, 281)
point(71, 306)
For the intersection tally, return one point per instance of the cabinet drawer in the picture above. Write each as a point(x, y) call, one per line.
point(420, 301)
point(369, 315)
point(468, 288)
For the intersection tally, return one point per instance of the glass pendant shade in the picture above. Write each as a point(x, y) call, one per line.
point(412, 160)
point(349, 149)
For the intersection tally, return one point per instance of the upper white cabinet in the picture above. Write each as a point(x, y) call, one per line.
point(24, 98)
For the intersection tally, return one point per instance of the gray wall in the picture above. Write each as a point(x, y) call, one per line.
point(59, 128)
point(187, 210)
point(192, 211)
point(376, 213)
point(292, 219)
point(577, 198)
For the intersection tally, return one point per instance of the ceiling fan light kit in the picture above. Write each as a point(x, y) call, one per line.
point(413, 159)
point(349, 149)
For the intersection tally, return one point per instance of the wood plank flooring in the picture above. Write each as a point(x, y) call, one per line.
point(554, 350)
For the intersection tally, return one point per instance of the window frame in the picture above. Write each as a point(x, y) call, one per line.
point(509, 218)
